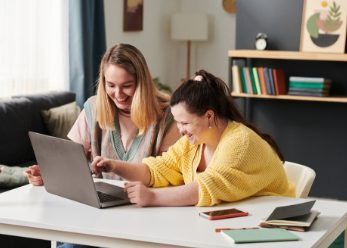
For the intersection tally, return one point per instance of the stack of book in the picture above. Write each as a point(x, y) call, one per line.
point(295, 217)
point(258, 80)
point(309, 86)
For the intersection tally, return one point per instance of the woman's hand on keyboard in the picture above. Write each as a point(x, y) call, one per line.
point(101, 164)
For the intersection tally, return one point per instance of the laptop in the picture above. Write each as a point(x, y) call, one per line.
point(65, 172)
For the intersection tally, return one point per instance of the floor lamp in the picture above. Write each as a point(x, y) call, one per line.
point(189, 27)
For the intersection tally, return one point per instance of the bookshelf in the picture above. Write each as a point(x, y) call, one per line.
point(298, 98)
point(287, 55)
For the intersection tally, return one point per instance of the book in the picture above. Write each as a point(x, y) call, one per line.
point(257, 81)
point(248, 80)
point(289, 211)
point(254, 87)
point(243, 80)
point(259, 235)
point(279, 81)
point(262, 80)
point(301, 220)
point(267, 81)
point(309, 85)
point(292, 228)
point(295, 93)
point(310, 90)
point(309, 79)
point(272, 84)
point(237, 87)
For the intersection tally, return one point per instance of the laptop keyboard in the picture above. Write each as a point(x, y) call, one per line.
point(107, 198)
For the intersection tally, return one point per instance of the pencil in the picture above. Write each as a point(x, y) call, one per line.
point(242, 228)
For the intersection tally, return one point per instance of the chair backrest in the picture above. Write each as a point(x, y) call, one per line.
point(302, 176)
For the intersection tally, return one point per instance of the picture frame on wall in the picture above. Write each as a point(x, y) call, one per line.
point(133, 15)
point(324, 25)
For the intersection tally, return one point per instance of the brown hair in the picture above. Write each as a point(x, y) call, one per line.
point(148, 103)
point(211, 93)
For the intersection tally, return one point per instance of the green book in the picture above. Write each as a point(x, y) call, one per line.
point(255, 92)
point(243, 80)
point(260, 235)
point(257, 80)
point(308, 85)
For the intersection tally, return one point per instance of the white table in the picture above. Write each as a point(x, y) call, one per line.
point(32, 212)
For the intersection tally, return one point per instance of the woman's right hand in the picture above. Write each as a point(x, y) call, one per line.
point(34, 175)
point(101, 164)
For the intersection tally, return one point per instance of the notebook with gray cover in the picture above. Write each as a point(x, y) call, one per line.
point(66, 173)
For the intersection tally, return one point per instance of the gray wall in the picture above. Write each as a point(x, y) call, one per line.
point(309, 133)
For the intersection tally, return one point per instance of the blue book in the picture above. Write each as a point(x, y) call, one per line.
point(267, 81)
point(272, 82)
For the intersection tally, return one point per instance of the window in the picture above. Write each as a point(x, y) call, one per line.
point(34, 46)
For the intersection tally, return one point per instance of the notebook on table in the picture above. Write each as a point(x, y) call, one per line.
point(66, 173)
point(295, 217)
point(259, 235)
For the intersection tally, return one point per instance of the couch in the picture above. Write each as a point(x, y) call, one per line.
point(17, 117)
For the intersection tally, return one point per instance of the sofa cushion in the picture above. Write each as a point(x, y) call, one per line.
point(13, 177)
point(16, 117)
point(60, 120)
point(44, 102)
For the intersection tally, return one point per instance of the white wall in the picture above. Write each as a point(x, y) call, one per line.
point(167, 58)
point(211, 55)
point(154, 41)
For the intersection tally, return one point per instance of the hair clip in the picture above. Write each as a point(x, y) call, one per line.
point(199, 78)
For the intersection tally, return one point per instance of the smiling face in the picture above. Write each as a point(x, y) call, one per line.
point(120, 86)
point(195, 128)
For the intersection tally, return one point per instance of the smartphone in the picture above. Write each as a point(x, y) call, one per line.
point(222, 214)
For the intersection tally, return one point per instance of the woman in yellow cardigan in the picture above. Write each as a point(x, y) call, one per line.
point(222, 156)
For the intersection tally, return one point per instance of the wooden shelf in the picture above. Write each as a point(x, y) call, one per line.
point(299, 98)
point(287, 55)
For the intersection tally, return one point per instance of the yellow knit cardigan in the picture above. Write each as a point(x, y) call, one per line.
point(243, 165)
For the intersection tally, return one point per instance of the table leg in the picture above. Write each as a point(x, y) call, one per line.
point(53, 244)
point(346, 238)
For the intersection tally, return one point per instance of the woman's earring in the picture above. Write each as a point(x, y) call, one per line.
point(210, 125)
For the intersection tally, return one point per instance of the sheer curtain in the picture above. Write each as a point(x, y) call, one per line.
point(34, 46)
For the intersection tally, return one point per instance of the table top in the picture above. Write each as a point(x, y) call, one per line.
point(31, 206)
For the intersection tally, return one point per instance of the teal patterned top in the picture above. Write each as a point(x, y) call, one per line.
point(108, 144)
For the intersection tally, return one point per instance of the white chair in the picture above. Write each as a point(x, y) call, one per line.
point(302, 176)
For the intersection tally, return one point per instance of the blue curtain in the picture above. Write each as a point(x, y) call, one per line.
point(87, 44)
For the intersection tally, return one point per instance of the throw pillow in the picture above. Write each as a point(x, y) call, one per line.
point(60, 120)
point(12, 176)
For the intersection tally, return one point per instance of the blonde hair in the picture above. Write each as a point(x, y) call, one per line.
point(148, 103)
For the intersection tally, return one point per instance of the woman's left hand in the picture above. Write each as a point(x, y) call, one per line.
point(138, 193)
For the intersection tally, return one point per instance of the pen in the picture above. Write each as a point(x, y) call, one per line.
point(2, 168)
point(242, 228)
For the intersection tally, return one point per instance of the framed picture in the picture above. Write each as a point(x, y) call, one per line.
point(323, 26)
point(133, 15)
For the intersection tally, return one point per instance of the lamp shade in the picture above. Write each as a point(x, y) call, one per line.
point(189, 26)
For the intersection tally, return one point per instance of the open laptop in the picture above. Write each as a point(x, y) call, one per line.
point(66, 173)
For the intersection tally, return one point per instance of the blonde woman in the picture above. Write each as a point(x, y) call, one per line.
point(128, 119)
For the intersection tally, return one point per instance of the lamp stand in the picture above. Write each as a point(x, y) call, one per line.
point(188, 59)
